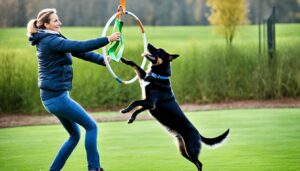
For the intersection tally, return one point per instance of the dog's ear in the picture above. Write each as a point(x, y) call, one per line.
point(173, 56)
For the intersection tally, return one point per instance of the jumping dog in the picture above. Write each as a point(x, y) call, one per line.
point(161, 102)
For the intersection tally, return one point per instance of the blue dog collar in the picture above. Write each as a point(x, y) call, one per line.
point(156, 76)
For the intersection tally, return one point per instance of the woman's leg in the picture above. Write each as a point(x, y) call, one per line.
point(67, 148)
point(67, 108)
point(80, 116)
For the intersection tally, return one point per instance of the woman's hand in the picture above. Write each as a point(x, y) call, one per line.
point(108, 59)
point(114, 37)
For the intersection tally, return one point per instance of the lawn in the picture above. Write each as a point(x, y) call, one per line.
point(260, 140)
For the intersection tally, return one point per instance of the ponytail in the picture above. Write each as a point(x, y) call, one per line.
point(32, 27)
point(38, 23)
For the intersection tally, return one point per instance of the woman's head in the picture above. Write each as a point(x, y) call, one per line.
point(46, 19)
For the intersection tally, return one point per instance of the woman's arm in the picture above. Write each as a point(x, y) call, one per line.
point(59, 44)
point(91, 56)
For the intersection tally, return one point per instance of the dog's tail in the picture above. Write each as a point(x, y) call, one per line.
point(215, 141)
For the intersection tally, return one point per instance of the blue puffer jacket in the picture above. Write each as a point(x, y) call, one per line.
point(54, 54)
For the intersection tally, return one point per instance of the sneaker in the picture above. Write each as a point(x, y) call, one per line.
point(101, 169)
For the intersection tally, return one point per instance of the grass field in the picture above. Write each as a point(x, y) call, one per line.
point(260, 140)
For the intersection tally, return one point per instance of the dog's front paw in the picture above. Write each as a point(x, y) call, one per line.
point(131, 120)
point(124, 60)
point(127, 62)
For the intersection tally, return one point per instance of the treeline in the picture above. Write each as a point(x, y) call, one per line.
point(16, 13)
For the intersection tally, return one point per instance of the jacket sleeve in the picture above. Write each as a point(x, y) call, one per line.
point(91, 56)
point(59, 44)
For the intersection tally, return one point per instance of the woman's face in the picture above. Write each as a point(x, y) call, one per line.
point(54, 23)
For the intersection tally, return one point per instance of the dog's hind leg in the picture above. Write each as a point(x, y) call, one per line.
point(193, 147)
point(135, 113)
point(143, 103)
point(181, 147)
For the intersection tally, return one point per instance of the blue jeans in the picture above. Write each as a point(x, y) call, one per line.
point(70, 113)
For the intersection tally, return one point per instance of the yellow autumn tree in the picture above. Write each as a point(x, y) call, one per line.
point(227, 15)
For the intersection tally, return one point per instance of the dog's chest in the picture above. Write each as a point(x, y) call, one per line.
point(144, 84)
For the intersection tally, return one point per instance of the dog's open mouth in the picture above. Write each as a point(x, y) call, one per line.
point(149, 56)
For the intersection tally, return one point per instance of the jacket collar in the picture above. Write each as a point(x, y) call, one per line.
point(48, 31)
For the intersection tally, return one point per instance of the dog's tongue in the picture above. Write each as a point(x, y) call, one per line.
point(151, 57)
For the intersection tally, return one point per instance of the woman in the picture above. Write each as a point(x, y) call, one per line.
point(54, 54)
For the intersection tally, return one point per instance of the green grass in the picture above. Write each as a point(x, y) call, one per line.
point(260, 139)
point(206, 71)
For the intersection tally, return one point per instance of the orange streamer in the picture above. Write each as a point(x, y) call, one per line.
point(121, 8)
point(123, 5)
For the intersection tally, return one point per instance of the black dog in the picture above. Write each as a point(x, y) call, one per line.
point(161, 102)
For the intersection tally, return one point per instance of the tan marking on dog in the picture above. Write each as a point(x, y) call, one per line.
point(159, 61)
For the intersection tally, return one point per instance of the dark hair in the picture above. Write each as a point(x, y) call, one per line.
point(39, 23)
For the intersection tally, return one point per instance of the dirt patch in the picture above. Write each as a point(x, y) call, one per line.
point(246, 104)
point(14, 120)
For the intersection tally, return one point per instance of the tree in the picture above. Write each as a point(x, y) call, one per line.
point(21, 13)
point(227, 15)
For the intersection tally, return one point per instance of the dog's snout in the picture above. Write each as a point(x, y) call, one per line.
point(149, 45)
point(151, 49)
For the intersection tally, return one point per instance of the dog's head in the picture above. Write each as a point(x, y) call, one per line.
point(158, 56)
